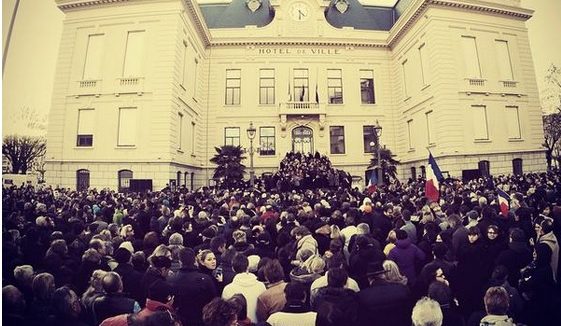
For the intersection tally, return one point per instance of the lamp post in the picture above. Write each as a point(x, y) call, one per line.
point(378, 133)
point(251, 135)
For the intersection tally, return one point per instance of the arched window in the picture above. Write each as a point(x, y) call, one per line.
point(413, 173)
point(82, 179)
point(484, 168)
point(192, 181)
point(517, 166)
point(423, 171)
point(186, 176)
point(124, 177)
point(178, 179)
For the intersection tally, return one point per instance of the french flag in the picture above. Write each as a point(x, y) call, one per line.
point(503, 202)
point(372, 182)
point(434, 177)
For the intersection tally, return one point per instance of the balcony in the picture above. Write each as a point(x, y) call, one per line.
point(87, 87)
point(129, 85)
point(301, 108)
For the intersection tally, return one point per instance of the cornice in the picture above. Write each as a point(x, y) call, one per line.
point(198, 21)
point(64, 5)
point(358, 44)
point(418, 9)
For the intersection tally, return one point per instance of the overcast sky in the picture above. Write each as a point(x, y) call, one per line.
point(31, 62)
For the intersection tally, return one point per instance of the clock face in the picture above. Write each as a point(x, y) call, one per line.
point(299, 11)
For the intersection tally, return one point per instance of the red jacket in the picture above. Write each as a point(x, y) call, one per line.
point(151, 307)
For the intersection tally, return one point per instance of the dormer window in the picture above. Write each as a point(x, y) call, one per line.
point(253, 5)
point(342, 6)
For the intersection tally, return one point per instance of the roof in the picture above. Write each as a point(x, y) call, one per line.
point(236, 14)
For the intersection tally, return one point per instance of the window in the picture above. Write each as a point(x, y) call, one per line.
point(334, 86)
point(423, 171)
point(413, 173)
point(86, 123)
point(185, 177)
point(232, 136)
point(369, 136)
point(517, 166)
point(423, 59)
point(184, 66)
point(193, 134)
point(504, 61)
point(471, 58)
point(127, 127)
point(180, 131)
point(337, 139)
point(513, 121)
point(195, 77)
point(233, 86)
point(404, 67)
point(82, 179)
point(367, 87)
point(484, 168)
point(134, 54)
point(266, 86)
point(267, 140)
point(178, 179)
point(94, 54)
point(430, 126)
point(479, 118)
point(301, 91)
point(124, 177)
point(410, 134)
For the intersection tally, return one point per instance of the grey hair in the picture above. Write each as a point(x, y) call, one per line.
point(427, 312)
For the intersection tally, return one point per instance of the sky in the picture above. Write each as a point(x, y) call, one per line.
point(28, 76)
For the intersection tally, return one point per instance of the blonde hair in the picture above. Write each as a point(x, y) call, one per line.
point(161, 250)
point(314, 264)
point(392, 273)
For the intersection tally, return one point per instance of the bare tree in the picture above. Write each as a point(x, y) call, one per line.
point(23, 151)
point(551, 134)
point(551, 100)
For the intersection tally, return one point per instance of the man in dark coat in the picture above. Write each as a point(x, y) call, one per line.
point(383, 303)
point(517, 256)
point(193, 290)
point(335, 304)
point(114, 302)
point(132, 279)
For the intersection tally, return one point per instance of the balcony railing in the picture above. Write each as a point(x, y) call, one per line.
point(476, 82)
point(130, 85)
point(301, 108)
point(509, 83)
point(87, 87)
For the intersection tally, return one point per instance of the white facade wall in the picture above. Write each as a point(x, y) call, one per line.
point(189, 89)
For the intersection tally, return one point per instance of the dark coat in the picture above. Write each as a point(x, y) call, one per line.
point(408, 257)
point(336, 306)
point(112, 305)
point(514, 259)
point(132, 282)
point(193, 290)
point(385, 304)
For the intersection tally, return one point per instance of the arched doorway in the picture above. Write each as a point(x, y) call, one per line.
point(303, 140)
point(82, 179)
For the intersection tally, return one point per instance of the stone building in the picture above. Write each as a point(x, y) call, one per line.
point(145, 90)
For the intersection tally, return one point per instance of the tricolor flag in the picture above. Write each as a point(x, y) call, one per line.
point(503, 202)
point(372, 182)
point(434, 177)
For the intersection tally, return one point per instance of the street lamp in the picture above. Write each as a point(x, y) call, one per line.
point(251, 135)
point(378, 133)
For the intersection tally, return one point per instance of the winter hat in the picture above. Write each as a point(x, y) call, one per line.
point(375, 268)
point(473, 215)
point(160, 291)
point(161, 261)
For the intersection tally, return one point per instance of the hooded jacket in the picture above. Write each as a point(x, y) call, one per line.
point(551, 240)
point(496, 320)
point(248, 285)
point(407, 255)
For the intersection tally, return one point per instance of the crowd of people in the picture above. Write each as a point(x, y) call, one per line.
point(307, 171)
point(298, 256)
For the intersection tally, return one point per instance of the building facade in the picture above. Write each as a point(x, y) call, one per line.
point(146, 89)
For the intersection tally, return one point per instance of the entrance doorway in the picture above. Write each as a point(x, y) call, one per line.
point(303, 140)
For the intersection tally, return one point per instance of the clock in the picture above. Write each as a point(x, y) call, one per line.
point(299, 11)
